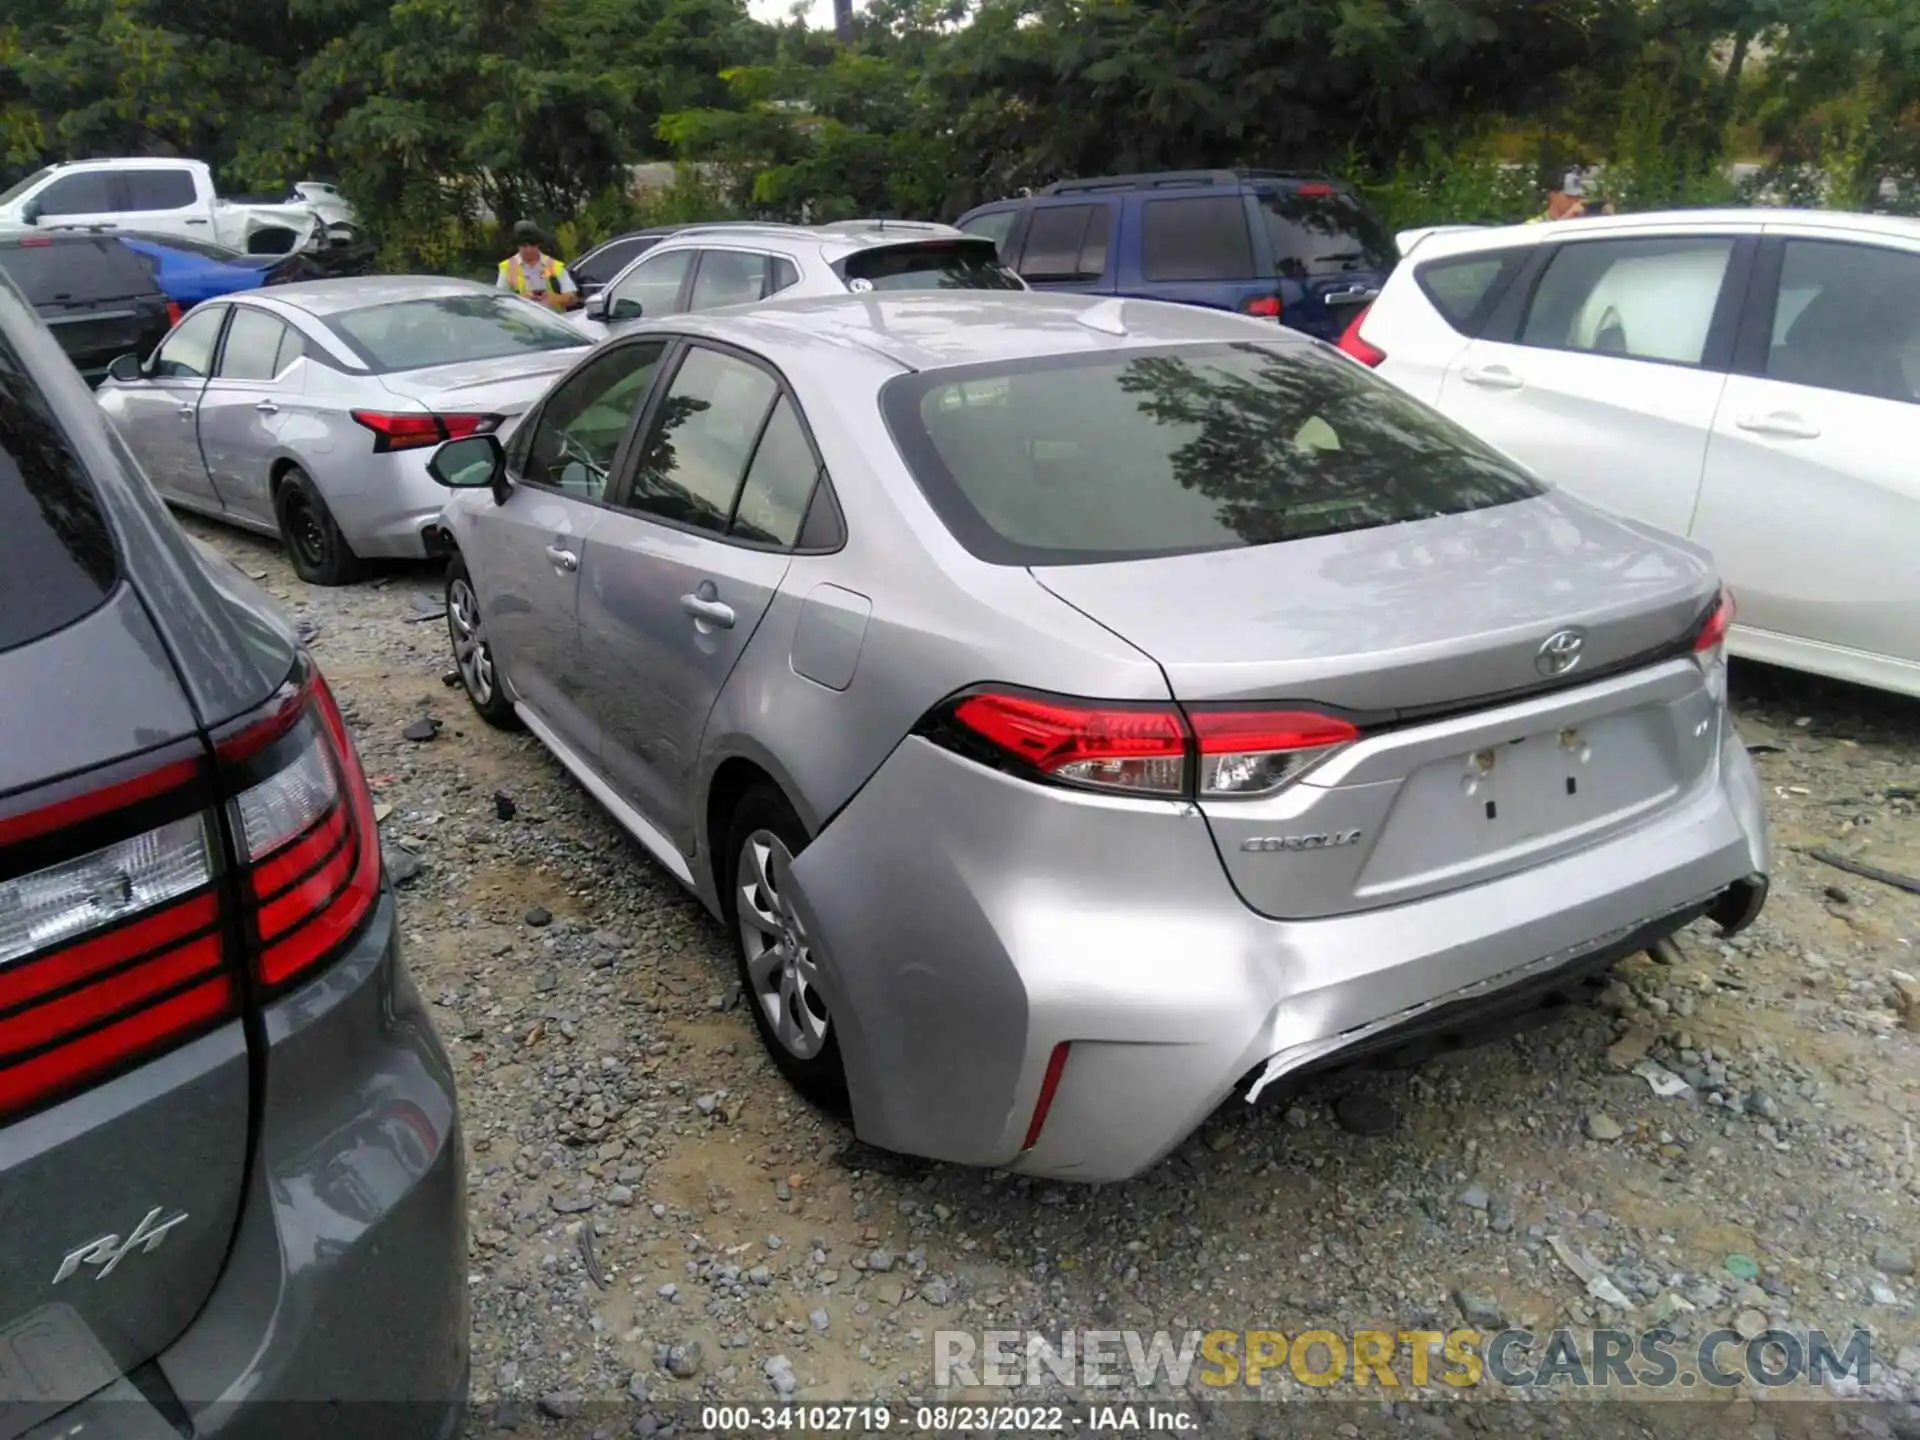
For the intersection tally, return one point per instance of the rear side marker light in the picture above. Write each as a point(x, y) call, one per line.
point(1139, 749)
point(1049, 1084)
point(1354, 344)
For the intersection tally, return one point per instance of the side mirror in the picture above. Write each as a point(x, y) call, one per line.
point(595, 307)
point(30, 213)
point(126, 368)
point(475, 462)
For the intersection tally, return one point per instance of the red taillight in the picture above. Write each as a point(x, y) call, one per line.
point(1049, 1083)
point(417, 431)
point(173, 313)
point(1139, 749)
point(1354, 344)
point(1713, 633)
point(114, 946)
point(1314, 190)
point(1263, 307)
point(307, 836)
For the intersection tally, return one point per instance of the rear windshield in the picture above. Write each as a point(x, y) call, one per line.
point(449, 329)
point(1324, 232)
point(1072, 460)
point(77, 270)
point(56, 557)
point(941, 265)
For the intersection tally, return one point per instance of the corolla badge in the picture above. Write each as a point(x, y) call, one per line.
point(1560, 652)
point(1269, 844)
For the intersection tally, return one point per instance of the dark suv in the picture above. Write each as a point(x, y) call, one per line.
point(229, 1149)
point(98, 297)
point(1299, 248)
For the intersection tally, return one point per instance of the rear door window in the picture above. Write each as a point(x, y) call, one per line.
point(1066, 242)
point(1201, 238)
point(159, 189)
point(940, 265)
point(728, 277)
point(253, 345)
point(76, 271)
point(700, 440)
point(1644, 299)
point(785, 274)
point(57, 561)
point(773, 502)
point(995, 226)
point(90, 193)
point(1848, 318)
point(1320, 230)
point(1112, 456)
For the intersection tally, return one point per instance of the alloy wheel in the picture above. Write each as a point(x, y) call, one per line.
point(780, 965)
point(470, 649)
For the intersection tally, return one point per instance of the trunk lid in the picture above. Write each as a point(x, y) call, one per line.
point(503, 386)
point(1477, 759)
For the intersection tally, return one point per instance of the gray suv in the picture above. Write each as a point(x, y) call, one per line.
point(229, 1149)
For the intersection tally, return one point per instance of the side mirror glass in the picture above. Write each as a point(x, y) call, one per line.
point(474, 462)
point(30, 212)
point(624, 309)
point(125, 368)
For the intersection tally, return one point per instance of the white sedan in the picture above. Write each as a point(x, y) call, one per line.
point(1747, 378)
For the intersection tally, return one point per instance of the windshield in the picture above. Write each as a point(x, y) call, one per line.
point(19, 188)
point(449, 329)
point(938, 265)
point(1069, 460)
point(1323, 231)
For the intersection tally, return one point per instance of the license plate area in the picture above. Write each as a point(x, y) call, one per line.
point(1497, 806)
point(49, 1360)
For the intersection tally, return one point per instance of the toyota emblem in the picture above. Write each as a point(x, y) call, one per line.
point(1560, 652)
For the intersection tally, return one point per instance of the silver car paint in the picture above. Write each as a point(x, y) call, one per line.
point(217, 447)
point(969, 921)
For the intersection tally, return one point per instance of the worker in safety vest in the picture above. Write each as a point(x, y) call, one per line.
point(536, 275)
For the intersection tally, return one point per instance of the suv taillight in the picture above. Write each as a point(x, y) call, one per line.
point(124, 900)
point(1263, 307)
point(1354, 344)
point(1149, 749)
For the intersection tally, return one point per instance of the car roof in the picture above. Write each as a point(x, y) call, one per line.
point(331, 297)
point(1182, 180)
point(931, 330)
point(832, 243)
point(1452, 242)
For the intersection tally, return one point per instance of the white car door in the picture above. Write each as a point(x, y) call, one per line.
point(1811, 499)
point(1607, 381)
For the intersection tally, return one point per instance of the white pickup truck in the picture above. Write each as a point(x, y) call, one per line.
point(159, 197)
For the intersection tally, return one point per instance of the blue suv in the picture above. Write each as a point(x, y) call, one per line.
point(1299, 248)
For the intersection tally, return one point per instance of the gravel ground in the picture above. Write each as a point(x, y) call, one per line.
point(657, 1219)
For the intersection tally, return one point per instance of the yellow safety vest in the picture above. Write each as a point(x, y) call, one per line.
point(516, 273)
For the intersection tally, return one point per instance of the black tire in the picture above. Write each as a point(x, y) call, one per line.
point(320, 553)
point(763, 812)
point(479, 671)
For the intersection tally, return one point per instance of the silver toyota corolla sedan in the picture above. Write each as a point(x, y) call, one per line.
point(308, 411)
point(1086, 711)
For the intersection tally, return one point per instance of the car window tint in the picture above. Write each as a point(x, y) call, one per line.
point(995, 227)
point(56, 556)
point(728, 277)
point(1650, 299)
point(1201, 238)
point(1460, 287)
point(1065, 242)
point(785, 273)
point(187, 354)
point(702, 434)
point(932, 265)
point(76, 269)
point(448, 329)
point(159, 189)
point(1106, 456)
point(577, 435)
point(1848, 318)
point(773, 502)
point(610, 259)
point(1317, 230)
point(252, 347)
point(651, 288)
point(91, 193)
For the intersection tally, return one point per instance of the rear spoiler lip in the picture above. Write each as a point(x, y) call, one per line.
point(1407, 240)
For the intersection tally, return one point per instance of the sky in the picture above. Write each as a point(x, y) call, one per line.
point(819, 12)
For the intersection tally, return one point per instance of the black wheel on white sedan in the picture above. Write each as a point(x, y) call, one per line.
point(320, 553)
point(472, 654)
point(778, 973)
